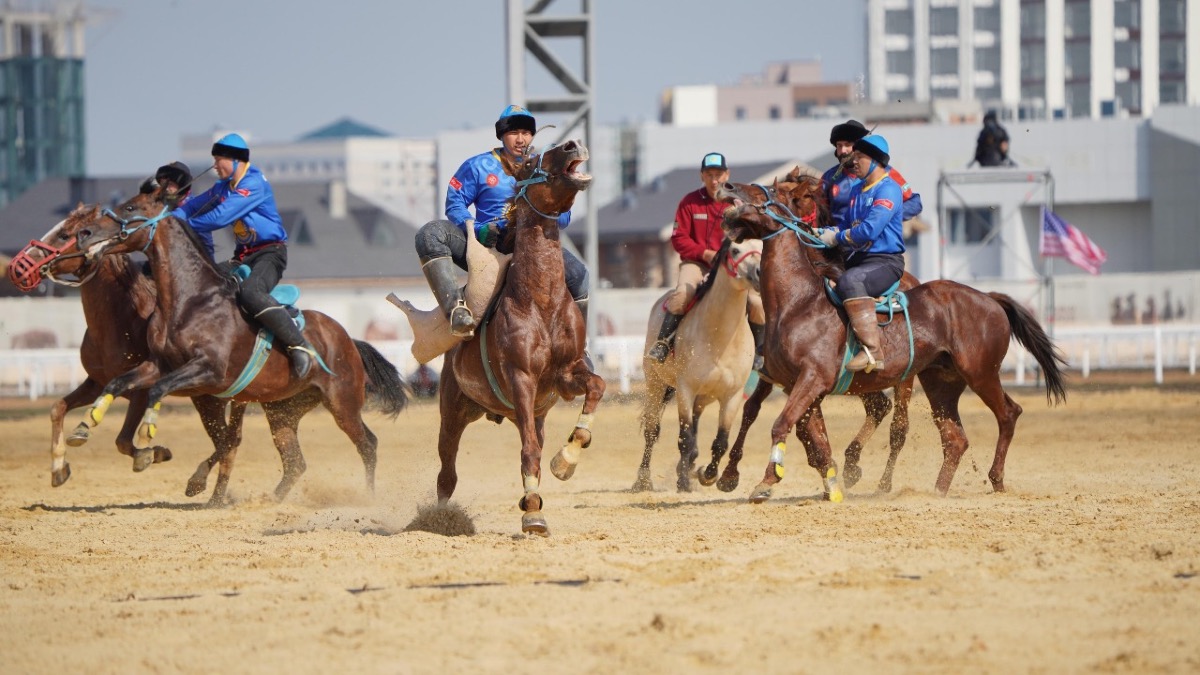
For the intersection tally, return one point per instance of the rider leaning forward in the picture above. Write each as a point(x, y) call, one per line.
point(871, 236)
point(485, 182)
point(696, 237)
point(242, 199)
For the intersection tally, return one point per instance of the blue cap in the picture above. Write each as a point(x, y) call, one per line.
point(232, 146)
point(713, 160)
point(515, 118)
point(875, 147)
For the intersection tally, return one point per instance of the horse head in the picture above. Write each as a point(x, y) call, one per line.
point(56, 255)
point(796, 203)
point(548, 182)
point(742, 262)
point(129, 226)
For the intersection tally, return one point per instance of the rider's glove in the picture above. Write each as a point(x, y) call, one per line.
point(487, 234)
point(828, 236)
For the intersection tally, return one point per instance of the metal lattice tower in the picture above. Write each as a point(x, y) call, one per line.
point(530, 31)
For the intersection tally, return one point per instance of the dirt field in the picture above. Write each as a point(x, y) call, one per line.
point(1089, 563)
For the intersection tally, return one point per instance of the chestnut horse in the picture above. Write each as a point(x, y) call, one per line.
point(875, 403)
point(959, 338)
point(713, 355)
point(529, 350)
point(117, 299)
point(199, 342)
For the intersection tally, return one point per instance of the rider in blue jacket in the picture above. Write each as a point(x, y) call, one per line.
point(839, 180)
point(242, 199)
point(871, 235)
point(485, 182)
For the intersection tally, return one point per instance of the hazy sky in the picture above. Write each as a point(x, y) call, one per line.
point(158, 69)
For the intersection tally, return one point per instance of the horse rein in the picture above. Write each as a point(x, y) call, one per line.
point(791, 222)
point(539, 176)
point(151, 223)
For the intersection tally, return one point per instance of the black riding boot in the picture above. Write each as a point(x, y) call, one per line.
point(666, 333)
point(443, 281)
point(299, 351)
point(759, 331)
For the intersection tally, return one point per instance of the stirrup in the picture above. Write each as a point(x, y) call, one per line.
point(660, 351)
point(462, 322)
point(301, 358)
point(870, 365)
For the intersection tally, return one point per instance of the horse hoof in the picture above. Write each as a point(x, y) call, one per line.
point(885, 486)
point(79, 436)
point(643, 484)
point(142, 459)
point(560, 467)
point(833, 488)
point(532, 522)
point(761, 494)
point(851, 473)
point(162, 454)
point(59, 477)
point(728, 483)
point(217, 502)
point(708, 476)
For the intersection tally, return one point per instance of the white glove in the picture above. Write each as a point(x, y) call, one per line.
point(829, 237)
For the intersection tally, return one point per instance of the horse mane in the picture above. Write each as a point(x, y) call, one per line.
point(711, 276)
point(806, 196)
point(141, 288)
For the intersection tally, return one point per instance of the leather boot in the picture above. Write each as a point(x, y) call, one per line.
point(666, 333)
point(442, 275)
point(759, 331)
point(866, 326)
point(299, 351)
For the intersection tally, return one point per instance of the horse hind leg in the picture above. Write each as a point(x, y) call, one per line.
point(944, 389)
point(657, 395)
point(730, 478)
point(687, 451)
point(1006, 411)
point(60, 469)
point(284, 421)
point(877, 406)
point(897, 433)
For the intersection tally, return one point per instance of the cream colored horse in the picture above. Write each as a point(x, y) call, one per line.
point(711, 361)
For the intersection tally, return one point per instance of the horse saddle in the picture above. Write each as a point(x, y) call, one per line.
point(285, 294)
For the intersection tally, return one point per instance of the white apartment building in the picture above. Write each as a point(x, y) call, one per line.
point(396, 174)
point(1036, 58)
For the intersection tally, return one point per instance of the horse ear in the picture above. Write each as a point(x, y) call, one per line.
point(149, 185)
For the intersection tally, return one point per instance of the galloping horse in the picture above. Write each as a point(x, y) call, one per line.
point(959, 338)
point(199, 343)
point(117, 299)
point(713, 355)
point(529, 350)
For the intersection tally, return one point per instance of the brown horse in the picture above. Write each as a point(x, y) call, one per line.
point(875, 403)
point(529, 351)
point(199, 343)
point(117, 300)
point(960, 337)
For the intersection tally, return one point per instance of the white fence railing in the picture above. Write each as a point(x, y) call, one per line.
point(34, 373)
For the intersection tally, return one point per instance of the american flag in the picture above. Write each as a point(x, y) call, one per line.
point(1060, 239)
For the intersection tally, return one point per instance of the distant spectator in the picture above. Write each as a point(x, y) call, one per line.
point(424, 382)
point(991, 148)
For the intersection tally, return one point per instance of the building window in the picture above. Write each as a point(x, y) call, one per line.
point(803, 108)
point(1171, 57)
point(943, 21)
point(1079, 99)
point(900, 63)
point(1078, 19)
point(773, 112)
point(1126, 13)
point(1033, 61)
point(943, 61)
point(987, 19)
point(1170, 92)
point(987, 59)
point(898, 22)
point(1078, 60)
point(1128, 55)
point(1033, 21)
point(739, 112)
point(1172, 15)
point(1129, 94)
point(971, 225)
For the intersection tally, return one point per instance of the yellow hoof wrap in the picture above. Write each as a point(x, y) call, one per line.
point(531, 484)
point(99, 408)
point(777, 453)
point(832, 486)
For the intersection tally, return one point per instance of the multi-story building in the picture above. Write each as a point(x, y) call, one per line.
point(1036, 58)
point(41, 95)
point(784, 90)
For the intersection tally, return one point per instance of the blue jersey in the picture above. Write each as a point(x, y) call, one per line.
point(245, 202)
point(481, 181)
point(874, 219)
point(838, 183)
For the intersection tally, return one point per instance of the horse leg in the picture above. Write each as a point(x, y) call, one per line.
point(584, 381)
point(457, 411)
point(801, 398)
point(657, 394)
point(877, 406)
point(1006, 411)
point(727, 413)
point(943, 388)
point(812, 434)
point(750, 409)
point(138, 402)
point(897, 433)
point(687, 443)
point(222, 434)
point(523, 389)
point(345, 401)
point(140, 377)
point(284, 421)
point(60, 470)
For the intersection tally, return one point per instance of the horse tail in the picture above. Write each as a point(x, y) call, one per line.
point(1030, 335)
point(386, 391)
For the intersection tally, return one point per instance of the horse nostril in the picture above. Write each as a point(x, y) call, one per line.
point(83, 234)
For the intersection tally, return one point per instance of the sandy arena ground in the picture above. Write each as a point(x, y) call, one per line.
point(1088, 564)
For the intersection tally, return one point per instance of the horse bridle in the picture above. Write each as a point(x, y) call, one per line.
point(789, 222)
point(145, 221)
point(21, 266)
point(539, 175)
